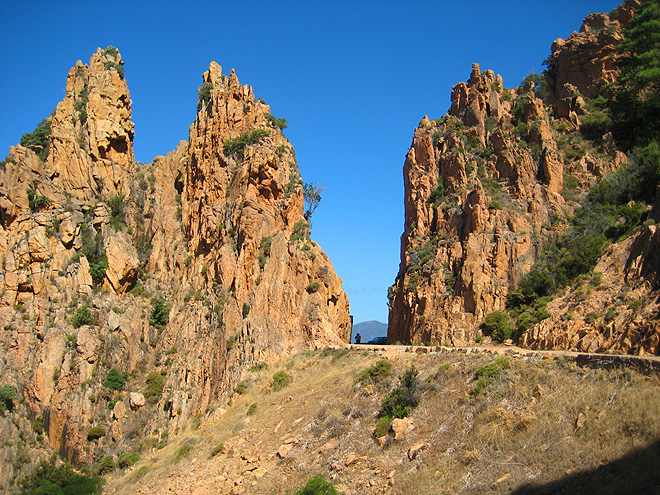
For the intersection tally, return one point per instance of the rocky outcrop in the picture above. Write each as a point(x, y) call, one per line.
point(484, 192)
point(494, 181)
point(91, 150)
point(616, 310)
point(151, 288)
point(585, 63)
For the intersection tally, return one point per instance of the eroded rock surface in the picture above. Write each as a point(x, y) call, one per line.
point(492, 182)
point(92, 243)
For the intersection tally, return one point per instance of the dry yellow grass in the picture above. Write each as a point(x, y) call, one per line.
point(539, 426)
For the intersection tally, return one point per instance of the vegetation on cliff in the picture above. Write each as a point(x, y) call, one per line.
point(515, 195)
point(619, 203)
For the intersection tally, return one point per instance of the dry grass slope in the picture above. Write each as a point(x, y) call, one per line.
point(534, 426)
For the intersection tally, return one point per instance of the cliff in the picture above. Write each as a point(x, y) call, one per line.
point(495, 181)
point(135, 296)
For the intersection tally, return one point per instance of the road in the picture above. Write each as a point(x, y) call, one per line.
point(644, 363)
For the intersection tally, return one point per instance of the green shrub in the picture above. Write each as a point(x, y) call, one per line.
point(92, 248)
point(48, 479)
point(95, 433)
point(80, 104)
point(117, 215)
point(259, 367)
point(182, 453)
point(383, 426)
point(280, 380)
point(266, 243)
point(35, 202)
point(437, 196)
point(196, 421)
point(400, 402)
point(237, 145)
point(300, 231)
point(204, 96)
point(107, 465)
point(115, 379)
point(373, 374)
point(240, 388)
point(111, 51)
point(155, 382)
point(118, 66)
point(328, 351)
point(39, 139)
point(312, 287)
point(82, 317)
point(160, 312)
point(22, 459)
point(217, 449)
point(252, 409)
point(246, 310)
point(591, 317)
point(635, 304)
point(318, 486)
point(231, 341)
point(497, 325)
point(594, 124)
point(38, 425)
point(484, 374)
point(275, 122)
point(7, 398)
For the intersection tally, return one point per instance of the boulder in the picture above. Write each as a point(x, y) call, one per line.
point(136, 400)
point(123, 262)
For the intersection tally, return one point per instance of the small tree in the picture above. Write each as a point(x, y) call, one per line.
point(497, 325)
point(82, 317)
point(204, 96)
point(7, 398)
point(155, 384)
point(160, 313)
point(637, 102)
point(312, 195)
point(115, 379)
point(39, 139)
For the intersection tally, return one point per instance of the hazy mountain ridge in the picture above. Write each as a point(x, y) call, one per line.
point(369, 330)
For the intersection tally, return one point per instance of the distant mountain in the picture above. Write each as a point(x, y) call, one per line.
point(369, 330)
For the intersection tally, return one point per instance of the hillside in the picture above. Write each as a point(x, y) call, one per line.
point(535, 426)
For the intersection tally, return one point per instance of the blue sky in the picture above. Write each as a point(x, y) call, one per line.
point(352, 78)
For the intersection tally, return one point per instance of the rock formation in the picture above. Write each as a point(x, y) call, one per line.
point(478, 209)
point(585, 63)
point(151, 288)
point(491, 183)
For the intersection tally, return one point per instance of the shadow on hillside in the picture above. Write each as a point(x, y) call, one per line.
point(636, 473)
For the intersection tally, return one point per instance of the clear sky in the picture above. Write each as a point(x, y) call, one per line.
point(353, 78)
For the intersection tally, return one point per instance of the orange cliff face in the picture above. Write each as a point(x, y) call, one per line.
point(218, 232)
point(477, 205)
point(485, 190)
